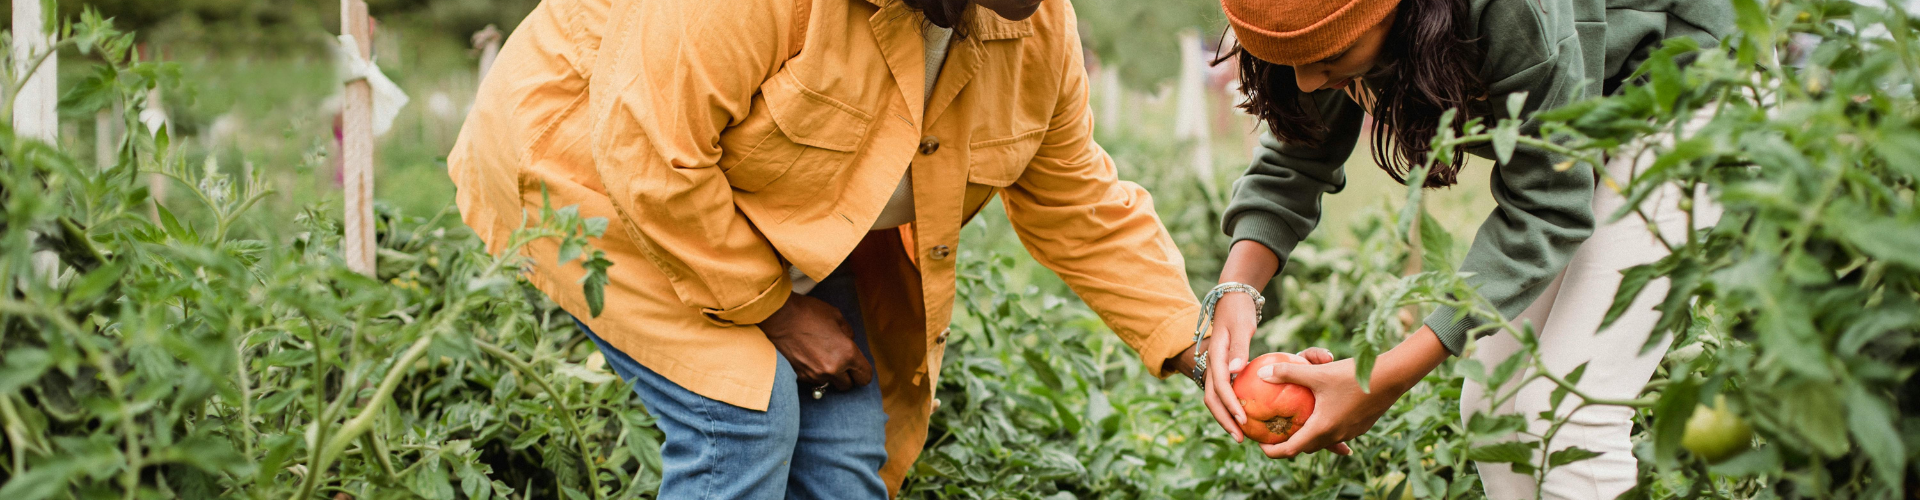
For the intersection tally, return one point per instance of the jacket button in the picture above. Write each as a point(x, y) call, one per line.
point(929, 144)
point(941, 252)
point(942, 338)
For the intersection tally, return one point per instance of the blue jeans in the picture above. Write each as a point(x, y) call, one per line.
point(800, 448)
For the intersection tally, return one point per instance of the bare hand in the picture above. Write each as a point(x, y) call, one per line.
point(1227, 352)
point(818, 342)
point(1341, 411)
point(1233, 326)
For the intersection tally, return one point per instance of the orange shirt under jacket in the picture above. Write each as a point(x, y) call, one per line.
point(731, 139)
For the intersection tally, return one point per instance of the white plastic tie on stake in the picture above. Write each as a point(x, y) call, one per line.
point(387, 97)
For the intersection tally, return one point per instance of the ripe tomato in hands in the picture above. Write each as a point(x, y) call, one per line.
point(1274, 411)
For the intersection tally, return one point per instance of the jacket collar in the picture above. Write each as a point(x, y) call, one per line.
point(982, 24)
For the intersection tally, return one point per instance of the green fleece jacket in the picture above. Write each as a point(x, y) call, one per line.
point(1558, 52)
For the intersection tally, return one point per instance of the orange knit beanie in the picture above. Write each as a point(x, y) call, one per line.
point(1299, 32)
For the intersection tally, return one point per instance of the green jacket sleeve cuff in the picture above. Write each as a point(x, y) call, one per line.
point(1266, 229)
point(1453, 334)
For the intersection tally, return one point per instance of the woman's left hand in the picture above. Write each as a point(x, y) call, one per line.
point(1341, 411)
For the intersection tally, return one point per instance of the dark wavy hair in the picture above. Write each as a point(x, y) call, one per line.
point(950, 14)
point(1428, 64)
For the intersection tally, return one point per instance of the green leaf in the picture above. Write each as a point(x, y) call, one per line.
point(279, 448)
point(94, 283)
point(1560, 392)
point(289, 358)
point(1632, 281)
point(1470, 369)
point(430, 480)
point(272, 405)
point(1818, 415)
point(570, 249)
point(173, 226)
point(1897, 313)
point(1505, 138)
point(595, 226)
point(1505, 370)
point(1068, 418)
point(1900, 147)
point(1510, 452)
point(1436, 245)
point(1363, 364)
point(1670, 416)
point(1570, 455)
point(532, 435)
point(23, 366)
point(1041, 369)
point(1871, 421)
point(582, 373)
point(1887, 238)
point(594, 283)
point(209, 454)
point(1484, 425)
point(41, 482)
point(474, 483)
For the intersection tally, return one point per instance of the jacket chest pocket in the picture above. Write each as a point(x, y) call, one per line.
point(994, 164)
point(999, 162)
point(793, 137)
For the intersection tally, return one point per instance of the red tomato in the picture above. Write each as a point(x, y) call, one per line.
point(1274, 411)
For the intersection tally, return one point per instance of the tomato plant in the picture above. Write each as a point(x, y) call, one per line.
point(209, 349)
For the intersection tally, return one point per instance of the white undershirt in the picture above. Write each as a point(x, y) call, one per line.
point(899, 207)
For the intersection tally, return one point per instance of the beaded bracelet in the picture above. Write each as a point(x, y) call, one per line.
point(1206, 319)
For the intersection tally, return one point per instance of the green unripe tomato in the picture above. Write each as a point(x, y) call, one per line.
point(1715, 434)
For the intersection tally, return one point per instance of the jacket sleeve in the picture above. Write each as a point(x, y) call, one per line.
point(670, 76)
point(1543, 214)
point(1277, 202)
point(1100, 234)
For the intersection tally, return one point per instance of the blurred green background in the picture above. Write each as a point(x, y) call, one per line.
point(258, 94)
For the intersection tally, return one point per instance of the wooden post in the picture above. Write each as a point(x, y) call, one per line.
point(106, 137)
point(487, 41)
point(1110, 92)
point(1190, 121)
point(153, 116)
point(33, 110)
point(357, 146)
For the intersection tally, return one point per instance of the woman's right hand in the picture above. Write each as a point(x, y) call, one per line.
point(1227, 346)
point(818, 342)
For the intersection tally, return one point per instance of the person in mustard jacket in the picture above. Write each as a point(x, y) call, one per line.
point(788, 180)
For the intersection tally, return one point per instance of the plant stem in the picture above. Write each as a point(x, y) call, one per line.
point(560, 404)
point(364, 420)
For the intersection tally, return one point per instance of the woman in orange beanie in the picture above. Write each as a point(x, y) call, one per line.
point(1313, 70)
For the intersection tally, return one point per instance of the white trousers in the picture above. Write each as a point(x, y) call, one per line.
point(1567, 318)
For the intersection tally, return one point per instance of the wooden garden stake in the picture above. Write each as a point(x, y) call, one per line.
point(357, 146)
point(1190, 122)
point(105, 137)
point(33, 111)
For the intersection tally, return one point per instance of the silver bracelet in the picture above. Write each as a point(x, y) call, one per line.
point(1206, 320)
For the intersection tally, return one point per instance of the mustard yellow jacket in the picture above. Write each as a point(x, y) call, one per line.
point(733, 139)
